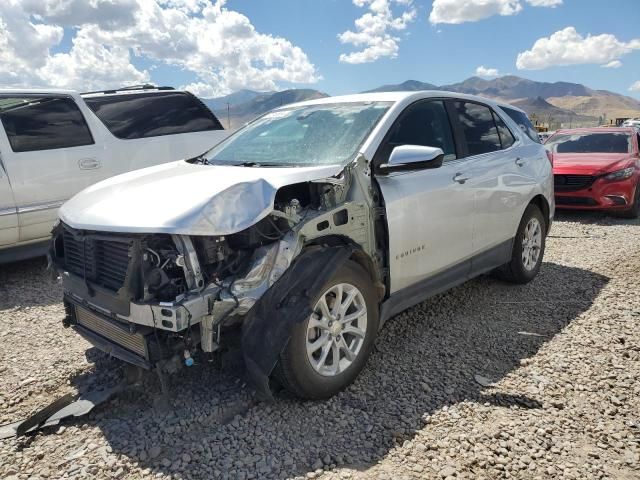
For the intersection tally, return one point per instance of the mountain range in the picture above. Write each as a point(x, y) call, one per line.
point(556, 103)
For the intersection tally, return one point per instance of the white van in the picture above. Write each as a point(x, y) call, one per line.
point(55, 143)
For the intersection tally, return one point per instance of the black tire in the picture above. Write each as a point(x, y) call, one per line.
point(634, 211)
point(294, 370)
point(515, 271)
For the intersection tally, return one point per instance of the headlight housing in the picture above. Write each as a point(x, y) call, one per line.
point(620, 174)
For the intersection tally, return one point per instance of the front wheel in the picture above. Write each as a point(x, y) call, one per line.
point(528, 248)
point(327, 351)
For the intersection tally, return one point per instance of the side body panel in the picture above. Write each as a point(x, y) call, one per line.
point(430, 219)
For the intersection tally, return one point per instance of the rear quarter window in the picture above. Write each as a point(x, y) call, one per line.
point(523, 122)
point(131, 116)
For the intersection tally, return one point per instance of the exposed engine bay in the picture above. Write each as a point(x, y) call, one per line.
point(148, 298)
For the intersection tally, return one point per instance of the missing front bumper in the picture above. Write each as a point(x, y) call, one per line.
point(110, 336)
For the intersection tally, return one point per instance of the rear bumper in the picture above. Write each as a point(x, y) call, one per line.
point(601, 195)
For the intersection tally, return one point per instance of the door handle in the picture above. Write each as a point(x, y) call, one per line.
point(460, 178)
point(88, 164)
point(520, 162)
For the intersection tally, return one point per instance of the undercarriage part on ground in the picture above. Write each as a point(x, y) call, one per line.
point(64, 407)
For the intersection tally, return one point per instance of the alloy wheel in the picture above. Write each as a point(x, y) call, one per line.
point(336, 329)
point(531, 244)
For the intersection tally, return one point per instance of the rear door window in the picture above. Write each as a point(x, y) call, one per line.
point(506, 137)
point(480, 131)
point(35, 123)
point(143, 115)
point(523, 122)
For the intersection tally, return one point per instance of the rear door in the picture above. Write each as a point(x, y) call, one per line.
point(8, 212)
point(150, 128)
point(498, 177)
point(49, 155)
point(429, 212)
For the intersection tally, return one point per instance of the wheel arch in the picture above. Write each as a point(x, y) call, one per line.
point(541, 202)
point(358, 255)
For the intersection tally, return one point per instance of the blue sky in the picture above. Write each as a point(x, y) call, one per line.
point(217, 46)
point(445, 54)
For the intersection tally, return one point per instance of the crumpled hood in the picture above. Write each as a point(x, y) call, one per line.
point(183, 198)
point(589, 163)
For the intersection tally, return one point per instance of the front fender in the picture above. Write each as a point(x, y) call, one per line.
point(267, 327)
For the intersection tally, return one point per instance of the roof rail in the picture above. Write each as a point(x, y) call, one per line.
point(146, 86)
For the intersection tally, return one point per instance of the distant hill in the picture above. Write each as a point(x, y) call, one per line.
point(511, 86)
point(246, 105)
point(560, 102)
point(539, 109)
point(235, 98)
point(408, 86)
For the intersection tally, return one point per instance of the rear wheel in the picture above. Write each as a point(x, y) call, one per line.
point(634, 211)
point(327, 351)
point(528, 248)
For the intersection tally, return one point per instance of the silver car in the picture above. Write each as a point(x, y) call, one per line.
point(305, 231)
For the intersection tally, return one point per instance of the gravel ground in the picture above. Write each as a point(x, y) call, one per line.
point(489, 380)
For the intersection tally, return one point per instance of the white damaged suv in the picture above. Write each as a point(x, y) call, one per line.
point(305, 230)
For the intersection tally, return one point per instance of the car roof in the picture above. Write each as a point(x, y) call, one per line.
point(396, 97)
point(36, 91)
point(598, 130)
point(132, 90)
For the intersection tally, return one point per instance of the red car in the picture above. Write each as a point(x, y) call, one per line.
point(597, 169)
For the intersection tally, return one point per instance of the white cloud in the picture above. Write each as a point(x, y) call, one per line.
point(612, 64)
point(221, 47)
point(460, 11)
point(483, 71)
point(635, 87)
point(544, 3)
point(106, 13)
point(568, 47)
point(374, 30)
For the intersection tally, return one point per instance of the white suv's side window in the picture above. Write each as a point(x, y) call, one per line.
point(424, 123)
point(43, 123)
point(144, 115)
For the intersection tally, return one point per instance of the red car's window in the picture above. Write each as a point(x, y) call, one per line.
point(610, 142)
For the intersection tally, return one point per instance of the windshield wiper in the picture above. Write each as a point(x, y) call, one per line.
point(258, 164)
point(200, 159)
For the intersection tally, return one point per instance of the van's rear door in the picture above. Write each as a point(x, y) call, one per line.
point(8, 212)
point(49, 154)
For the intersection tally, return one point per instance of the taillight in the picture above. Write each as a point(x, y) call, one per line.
point(550, 157)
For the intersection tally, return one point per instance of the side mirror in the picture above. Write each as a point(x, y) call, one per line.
point(413, 157)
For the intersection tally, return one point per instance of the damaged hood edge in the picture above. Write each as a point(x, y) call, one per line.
point(185, 199)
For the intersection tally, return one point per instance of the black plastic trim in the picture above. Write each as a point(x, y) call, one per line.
point(440, 282)
point(23, 252)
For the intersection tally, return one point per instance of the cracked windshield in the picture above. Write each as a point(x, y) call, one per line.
point(303, 136)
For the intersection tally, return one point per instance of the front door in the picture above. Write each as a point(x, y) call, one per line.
point(429, 212)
